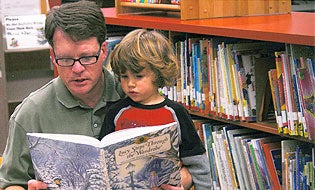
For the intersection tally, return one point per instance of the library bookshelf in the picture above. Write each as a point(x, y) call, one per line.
point(283, 28)
point(288, 28)
point(186, 9)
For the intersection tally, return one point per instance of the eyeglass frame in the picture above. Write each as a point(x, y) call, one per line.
point(75, 60)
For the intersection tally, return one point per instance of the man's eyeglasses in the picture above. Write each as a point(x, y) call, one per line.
point(86, 60)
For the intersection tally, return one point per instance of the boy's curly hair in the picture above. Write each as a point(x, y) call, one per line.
point(141, 48)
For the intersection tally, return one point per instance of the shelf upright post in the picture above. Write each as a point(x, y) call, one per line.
point(4, 110)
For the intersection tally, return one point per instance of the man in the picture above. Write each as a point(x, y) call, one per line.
point(75, 102)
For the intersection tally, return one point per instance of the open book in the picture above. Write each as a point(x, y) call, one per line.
point(136, 158)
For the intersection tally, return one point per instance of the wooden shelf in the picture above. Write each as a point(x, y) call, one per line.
point(168, 7)
point(266, 126)
point(293, 28)
point(208, 9)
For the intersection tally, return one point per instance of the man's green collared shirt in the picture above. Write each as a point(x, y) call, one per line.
point(51, 109)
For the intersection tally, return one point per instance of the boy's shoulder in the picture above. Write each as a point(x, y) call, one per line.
point(175, 105)
point(125, 102)
point(120, 104)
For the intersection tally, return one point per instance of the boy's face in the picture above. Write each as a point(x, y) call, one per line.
point(140, 86)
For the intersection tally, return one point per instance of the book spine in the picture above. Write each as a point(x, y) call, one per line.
point(298, 98)
point(272, 74)
point(233, 91)
point(222, 82)
point(231, 168)
point(261, 163)
point(244, 179)
point(256, 166)
point(250, 165)
point(291, 107)
point(238, 95)
point(204, 75)
point(211, 77)
point(278, 61)
point(219, 162)
point(217, 88)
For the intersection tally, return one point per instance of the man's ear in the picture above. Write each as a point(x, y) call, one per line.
point(104, 49)
point(52, 58)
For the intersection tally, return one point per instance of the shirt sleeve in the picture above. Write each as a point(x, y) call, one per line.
point(199, 168)
point(191, 144)
point(109, 120)
point(16, 159)
point(192, 151)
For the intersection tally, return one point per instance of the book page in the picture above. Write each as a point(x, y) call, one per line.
point(67, 165)
point(109, 139)
point(79, 139)
point(122, 135)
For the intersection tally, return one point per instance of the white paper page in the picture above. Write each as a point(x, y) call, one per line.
point(80, 139)
point(111, 138)
point(20, 7)
point(122, 135)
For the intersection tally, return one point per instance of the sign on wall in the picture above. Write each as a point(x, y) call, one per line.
point(25, 31)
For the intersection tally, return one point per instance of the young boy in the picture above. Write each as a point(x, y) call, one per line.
point(144, 61)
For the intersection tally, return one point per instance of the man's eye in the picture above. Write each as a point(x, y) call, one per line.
point(139, 76)
point(66, 60)
point(123, 76)
point(87, 58)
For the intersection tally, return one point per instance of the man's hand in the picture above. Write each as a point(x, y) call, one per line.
point(186, 178)
point(169, 187)
point(36, 185)
point(186, 181)
point(14, 188)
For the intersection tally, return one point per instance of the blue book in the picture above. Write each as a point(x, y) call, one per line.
point(111, 43)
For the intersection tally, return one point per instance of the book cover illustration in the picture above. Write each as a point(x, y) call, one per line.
point(125, 159)
point(307, 83)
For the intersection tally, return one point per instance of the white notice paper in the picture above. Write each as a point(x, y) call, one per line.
point(25, 31)
point(20, 7)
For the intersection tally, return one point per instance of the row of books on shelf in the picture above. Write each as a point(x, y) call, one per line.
point(242, 158)
point(153, 1)
point(293, 91)
point(233, 79)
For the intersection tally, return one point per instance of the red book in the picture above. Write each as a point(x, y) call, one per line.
point(272, 152)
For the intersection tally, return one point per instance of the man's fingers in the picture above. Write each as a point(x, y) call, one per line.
point(35, 185)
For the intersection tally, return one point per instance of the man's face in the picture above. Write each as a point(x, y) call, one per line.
point(82, 81)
